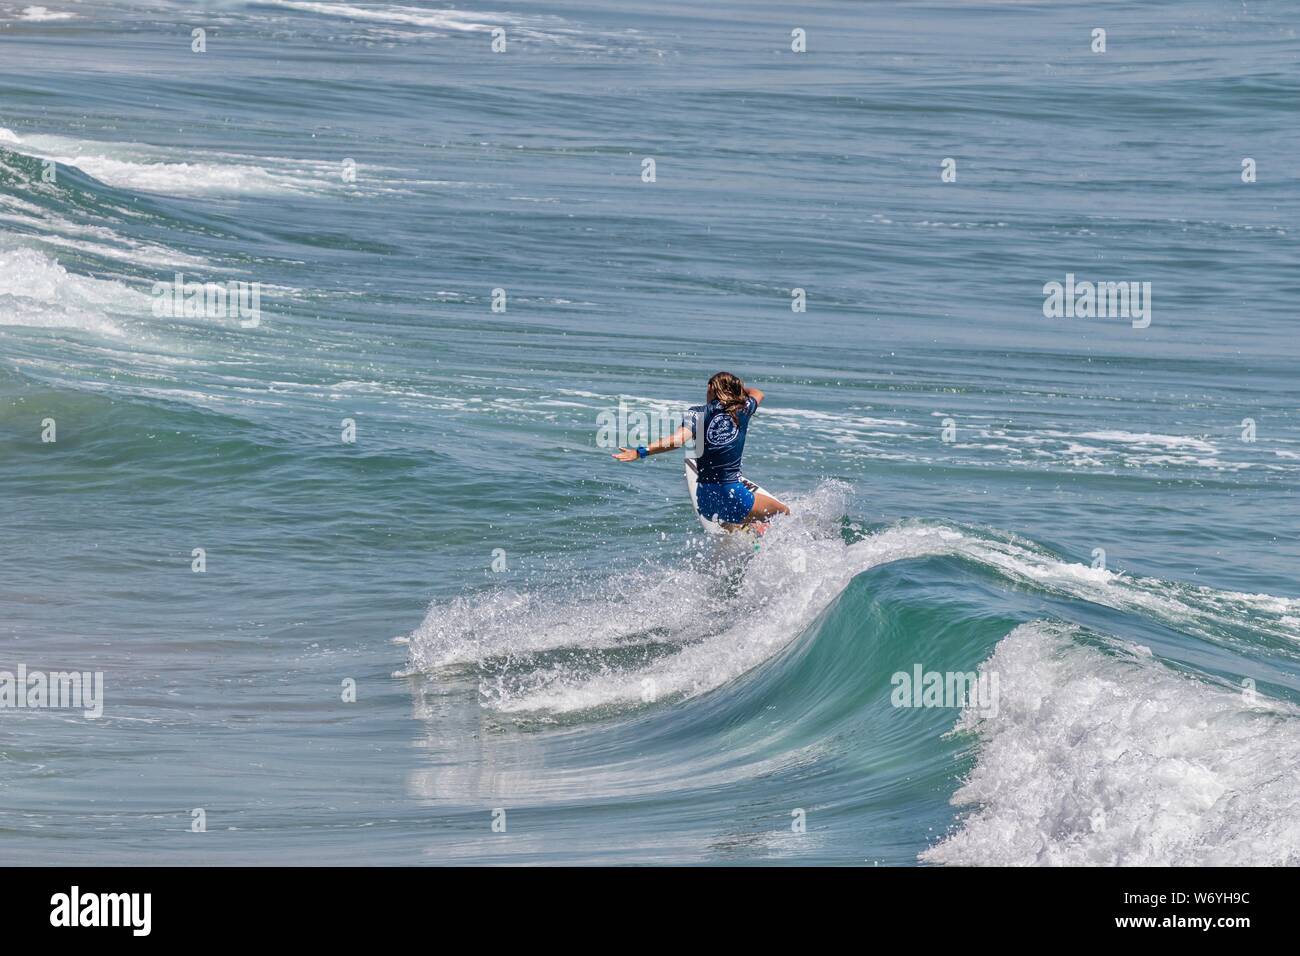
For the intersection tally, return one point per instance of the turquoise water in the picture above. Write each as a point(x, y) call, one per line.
point(535, 629)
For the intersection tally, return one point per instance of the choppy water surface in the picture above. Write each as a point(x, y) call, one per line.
point(534, 629)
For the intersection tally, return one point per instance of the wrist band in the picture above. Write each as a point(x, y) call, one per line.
point(641, 451)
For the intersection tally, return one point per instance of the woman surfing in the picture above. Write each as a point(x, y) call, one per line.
point(717, 429)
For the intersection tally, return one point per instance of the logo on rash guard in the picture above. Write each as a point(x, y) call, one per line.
point(722, 430)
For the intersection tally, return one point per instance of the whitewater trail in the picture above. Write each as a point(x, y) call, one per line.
point(707, 629)
point(154, 169)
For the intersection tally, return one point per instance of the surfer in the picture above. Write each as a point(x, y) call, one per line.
point(721, 493)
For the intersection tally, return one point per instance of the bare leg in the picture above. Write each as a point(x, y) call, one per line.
point(765, 506)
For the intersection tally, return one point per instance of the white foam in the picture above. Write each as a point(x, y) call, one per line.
point(51, 229)
point(1114, 760)
point(379, 19)
point(1146, 438)
point(707, 637)
point(415, 16)
point(188, 179)
point(776, 599)
point(123, 249)
point(43, 15)
point(837, 419)
point(37, 292)
point(148, 168)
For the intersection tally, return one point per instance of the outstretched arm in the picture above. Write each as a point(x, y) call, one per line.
point(756, 394)
point(676, 440)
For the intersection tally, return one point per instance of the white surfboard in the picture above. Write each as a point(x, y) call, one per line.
point(711, 526)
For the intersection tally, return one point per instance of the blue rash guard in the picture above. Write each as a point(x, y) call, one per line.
point(720, 493)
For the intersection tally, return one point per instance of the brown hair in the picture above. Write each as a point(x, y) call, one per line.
point(729, 392)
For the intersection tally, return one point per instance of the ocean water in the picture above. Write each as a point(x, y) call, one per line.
point(1099, 518)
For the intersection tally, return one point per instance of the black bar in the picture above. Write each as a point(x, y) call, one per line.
point(251, 906)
